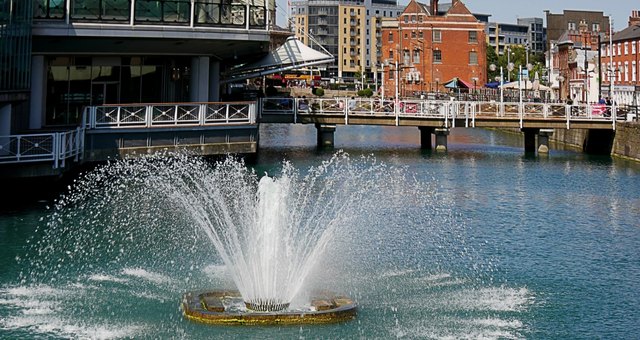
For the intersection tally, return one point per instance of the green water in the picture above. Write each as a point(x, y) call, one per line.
point(513, 247)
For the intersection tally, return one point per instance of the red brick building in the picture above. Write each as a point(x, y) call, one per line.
point(431, 49)
point(621, 63)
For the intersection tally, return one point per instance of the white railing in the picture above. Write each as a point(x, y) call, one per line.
point(56, 147)
point(448, 111)
point(169, 115)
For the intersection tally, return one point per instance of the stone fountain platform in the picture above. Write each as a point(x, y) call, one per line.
point(227, 308)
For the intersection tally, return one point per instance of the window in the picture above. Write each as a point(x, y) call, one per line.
point(595, 27)
point(416, 56)
point(390, 54)
point(626, 71)
point(420, 35)
point(633, 47)
point(473, 37)
point(634, 71)
point(406, 19)
point(572, 26)
point(626, 48)
point(413, 18)
point(437, 36)
point(413, 34)
point(437, 57)
point(473, 58)
point(406, 57)
point(619, 49)
point(390, 36)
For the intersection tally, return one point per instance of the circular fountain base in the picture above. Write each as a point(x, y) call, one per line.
point(227, 308)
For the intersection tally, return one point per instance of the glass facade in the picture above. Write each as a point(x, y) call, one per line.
point(15, 45)
point(224, 13)
point(76, 82)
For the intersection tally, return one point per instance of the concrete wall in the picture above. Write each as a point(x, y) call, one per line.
point(627, 141)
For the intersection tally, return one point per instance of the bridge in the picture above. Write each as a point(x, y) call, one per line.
point(439, 117)
point(214, 128)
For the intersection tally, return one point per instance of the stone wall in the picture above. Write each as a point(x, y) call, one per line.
point(627, 141)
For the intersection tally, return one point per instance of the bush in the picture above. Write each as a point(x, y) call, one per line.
point(319, 92)
point(365, 93)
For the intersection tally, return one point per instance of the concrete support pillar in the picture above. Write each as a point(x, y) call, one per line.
point(214, 81)
point(325, 135)
point(530, 139)
point(425, 137)
point(199, 91)
point(38, 92)
point(5, 127)
point(543, 140)
point(441, 139)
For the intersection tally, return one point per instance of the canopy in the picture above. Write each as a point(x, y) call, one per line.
point(492, 85)
point(292, 54)
point(457, 83)
point(525, 85)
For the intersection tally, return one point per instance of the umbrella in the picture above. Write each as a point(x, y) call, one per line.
point(524, 85)
point(457, 83)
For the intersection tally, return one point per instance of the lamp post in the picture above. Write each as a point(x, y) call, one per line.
point(382, 80)
point(560, 80)
point(492, 67)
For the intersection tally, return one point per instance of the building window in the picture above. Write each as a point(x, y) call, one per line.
point(626, 71)
point(413, 18)
point(595, 27)
point(619, 49)
point(634, 71)
point(437, 36)
point(416, 56)
point(572, 26)
point(413, 34)
point(473, 58)
point(390, 36)
point(633, 47)
point(437, 57)
point(626, 48)
point(473, 37)
point(390, 54)
point(406, 19)
point(420, 35)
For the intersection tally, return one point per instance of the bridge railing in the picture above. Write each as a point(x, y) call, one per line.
point(174, 114)
point(55, 147)
point(438, 109)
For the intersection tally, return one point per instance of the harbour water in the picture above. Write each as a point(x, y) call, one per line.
point(496, 245)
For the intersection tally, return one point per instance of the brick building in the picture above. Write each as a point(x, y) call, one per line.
point(621, 63)
point(432, 47)
point(569, 20)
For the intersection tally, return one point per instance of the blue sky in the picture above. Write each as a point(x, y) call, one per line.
point(509, 10)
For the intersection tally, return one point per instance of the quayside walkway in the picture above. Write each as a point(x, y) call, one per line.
point(438, 117)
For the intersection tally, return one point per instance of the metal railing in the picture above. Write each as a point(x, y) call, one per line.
point(167, 115)
point(56, 147)
point(440, 109)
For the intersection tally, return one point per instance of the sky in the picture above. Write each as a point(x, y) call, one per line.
point(507, 11)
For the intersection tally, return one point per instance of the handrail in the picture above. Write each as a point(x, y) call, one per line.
point(442, 109)
point(146, 115)
point(55, 147)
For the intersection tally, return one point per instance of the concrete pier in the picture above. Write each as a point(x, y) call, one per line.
point(325, 135)
point(425, 137)
point(441, 139)
point(530, 139)
point(543, 140)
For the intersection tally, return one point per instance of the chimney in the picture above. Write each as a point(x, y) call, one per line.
point(634, 19)
point(434, 7)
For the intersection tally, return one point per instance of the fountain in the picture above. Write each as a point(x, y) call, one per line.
point(270, 232)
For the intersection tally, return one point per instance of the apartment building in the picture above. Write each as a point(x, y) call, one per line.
point(621, 63)
point(430, 48)
point(349, 30)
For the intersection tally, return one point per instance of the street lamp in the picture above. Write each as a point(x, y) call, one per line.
point(492, 67)
point(560, 80)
